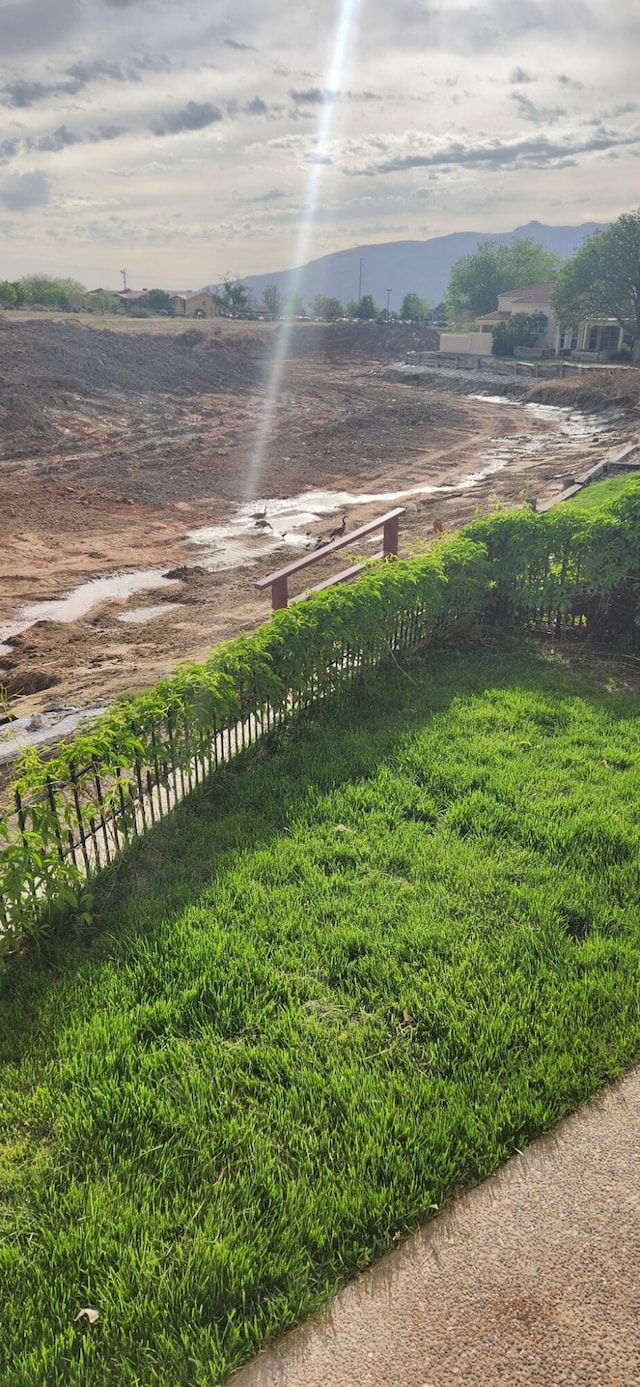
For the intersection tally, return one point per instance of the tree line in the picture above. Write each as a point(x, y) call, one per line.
point(601, 281)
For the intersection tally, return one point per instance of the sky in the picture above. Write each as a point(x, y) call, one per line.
point(188, 141)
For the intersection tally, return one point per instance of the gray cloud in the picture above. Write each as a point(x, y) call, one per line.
point(565, 81)
point(527, 110)
point(257, 107)
point(107, 132)
point(27, 25)
point(484, 28)
point(96, 68)
point(313, 96)
point(540, 153)
point(21, 92)
point(242, 47)
point(57, 140)
point(21, 191)
point(519, 76)
point(196, 115)
point(8, 149)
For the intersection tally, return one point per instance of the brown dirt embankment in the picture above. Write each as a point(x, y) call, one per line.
point(147, 438)
point(592, 391)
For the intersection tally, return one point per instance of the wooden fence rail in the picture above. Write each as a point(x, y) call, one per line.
point(279, 581)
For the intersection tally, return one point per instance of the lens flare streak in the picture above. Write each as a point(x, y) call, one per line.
point(335, 75)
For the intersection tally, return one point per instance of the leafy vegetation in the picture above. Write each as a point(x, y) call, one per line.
point(602, 280)
point(511, 567)
point(332, 990)
point(521, 330)
point(327, 307)
point(476, 280)
point(415, 310)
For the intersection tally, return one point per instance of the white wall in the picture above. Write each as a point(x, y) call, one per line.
point(473, 343)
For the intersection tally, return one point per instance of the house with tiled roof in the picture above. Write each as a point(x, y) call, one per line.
point(589, 341)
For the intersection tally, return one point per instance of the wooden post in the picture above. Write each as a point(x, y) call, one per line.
point(390, 536)
point(279, 594)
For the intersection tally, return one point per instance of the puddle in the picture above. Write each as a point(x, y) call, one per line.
point(141, 615)
point(16, 736)
point(77, 603)
point(241, 542)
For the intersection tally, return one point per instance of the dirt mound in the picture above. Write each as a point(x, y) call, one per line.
point(365, 341)
point(70, 356)
point(592, 391)
point(43, 364)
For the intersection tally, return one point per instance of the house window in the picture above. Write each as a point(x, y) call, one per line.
point(609, 339)
point(592, 345)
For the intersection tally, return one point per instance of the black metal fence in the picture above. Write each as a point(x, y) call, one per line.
point(93, 817)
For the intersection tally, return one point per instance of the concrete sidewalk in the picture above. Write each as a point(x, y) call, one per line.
point(531, 1280)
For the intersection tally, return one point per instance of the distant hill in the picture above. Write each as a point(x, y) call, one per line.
point(420, 267)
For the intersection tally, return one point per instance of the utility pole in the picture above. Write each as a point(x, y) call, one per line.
point(360, 283)
point(388, 293)
point(124, 276)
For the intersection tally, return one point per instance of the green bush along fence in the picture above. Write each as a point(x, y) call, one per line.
point(76, 812)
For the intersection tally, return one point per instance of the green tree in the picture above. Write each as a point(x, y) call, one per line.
point(52, 293)
point(157, 301)
point(8, 296)
point(521, 330)
point(273, 300)
point(101, 303)
point(327, 308)
point(368, 311)
point(476, 280)
point(602, 280)
point(235, 295)
point(414, 309)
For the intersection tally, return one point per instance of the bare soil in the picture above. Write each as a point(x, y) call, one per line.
point(116, 444)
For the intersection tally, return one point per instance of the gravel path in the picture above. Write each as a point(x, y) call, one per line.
point(531, 1280)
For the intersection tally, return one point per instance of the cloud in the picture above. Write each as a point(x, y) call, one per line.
point(274, 195)
point(527, 110)
point(242, 47)
point(539, 152)
point(257, 107)
point(475, 28)
point(107, 132)
point(519, 77)
point(59, 139)
point(196, 115)
point(565, 81)
point(313, 96)
point(96, 68)
point(22, 92)
point(8, 149)
point(21, 191)
point(27, 25)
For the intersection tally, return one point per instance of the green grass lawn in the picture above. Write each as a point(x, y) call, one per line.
point(349, 979)
point(598, 494)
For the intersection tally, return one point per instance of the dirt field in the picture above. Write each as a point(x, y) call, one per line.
point(118, 445)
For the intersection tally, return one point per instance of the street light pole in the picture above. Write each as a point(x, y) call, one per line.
point(388, 293)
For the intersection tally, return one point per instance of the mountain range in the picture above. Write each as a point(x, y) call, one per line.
point(403, 267)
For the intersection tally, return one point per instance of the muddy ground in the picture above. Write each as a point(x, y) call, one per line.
point(116, 448)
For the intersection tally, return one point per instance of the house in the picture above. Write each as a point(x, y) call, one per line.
point(591, 341)
point(129, 298)
point(535, 301)
point(189, 303)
